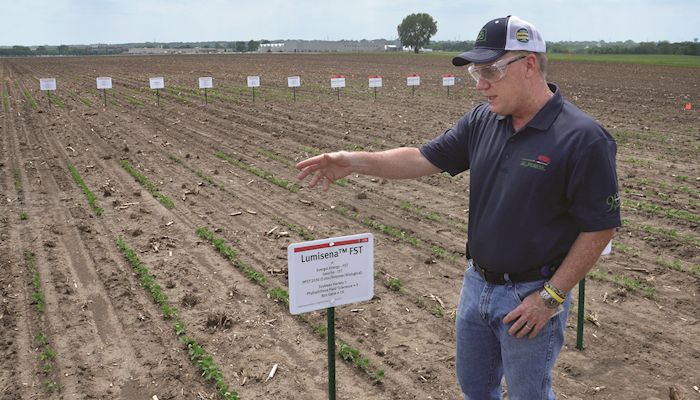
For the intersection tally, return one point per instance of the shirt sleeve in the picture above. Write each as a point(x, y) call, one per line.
point(592, 190)
point(450, 151)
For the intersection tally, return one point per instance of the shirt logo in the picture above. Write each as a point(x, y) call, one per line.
point(613, 201)
point(540, 163)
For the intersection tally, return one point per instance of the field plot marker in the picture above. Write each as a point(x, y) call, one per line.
point(447, 81)
point(104, 83)
point(326, 273)
point(206, 82)
point(337, 82)
point(375, 81)
point(413, 80)
point(294, 82)
point(253, 82)
point(157, 84)
point(46, 85)
point(581, 318)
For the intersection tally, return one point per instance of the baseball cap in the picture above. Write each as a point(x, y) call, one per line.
point(499, 36)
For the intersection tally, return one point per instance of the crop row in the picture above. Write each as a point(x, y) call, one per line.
point(92, 200)
point(47, 355)
point(199, 357)
point(152, 189)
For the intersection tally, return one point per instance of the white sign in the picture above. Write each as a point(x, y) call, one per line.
point(293, 81)
point(413, 80)
point(104, 82)
point(253, 81)
point(330, 272)
point(448, 80)
point(608, 249)
point(337, 81)
point(157, 83)
point(206, 82)
point(375, 81)
point(47, 83)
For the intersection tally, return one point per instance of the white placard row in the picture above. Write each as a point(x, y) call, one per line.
point(337, 81)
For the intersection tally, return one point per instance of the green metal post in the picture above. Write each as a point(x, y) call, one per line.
point(581, 320)
point(331, 353)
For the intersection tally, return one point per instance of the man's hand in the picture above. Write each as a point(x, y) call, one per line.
point(328, 167)
point(530, 316)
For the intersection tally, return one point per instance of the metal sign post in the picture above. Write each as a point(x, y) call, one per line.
point(47, 85)
point(206, 82)
point(253, 82)
point(104, 83)
point(413, 80)
point(327, 273)
point(375, 81)
point(294, 82)
point(337, 82)
point(447, 81)
point(157, 84)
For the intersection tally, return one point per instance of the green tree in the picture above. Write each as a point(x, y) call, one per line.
point(240, 47)
point(416, 29)
point(253, 45)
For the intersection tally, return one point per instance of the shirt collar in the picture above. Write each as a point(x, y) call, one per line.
point(547, 114)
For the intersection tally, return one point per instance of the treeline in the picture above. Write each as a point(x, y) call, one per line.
point(62, 50)
point(597, 47)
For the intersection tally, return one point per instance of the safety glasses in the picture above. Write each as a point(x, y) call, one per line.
point(494, 72)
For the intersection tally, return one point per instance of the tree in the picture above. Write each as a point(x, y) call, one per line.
point(416, 29)
point(253, 45)
point(240, 47)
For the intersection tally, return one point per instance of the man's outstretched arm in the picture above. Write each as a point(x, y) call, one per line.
point(399, 163)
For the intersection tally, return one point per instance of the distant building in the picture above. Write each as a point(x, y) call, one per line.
point(159, 50)
point(315, 46)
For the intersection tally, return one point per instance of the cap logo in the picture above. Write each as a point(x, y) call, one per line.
point(481, 36)
point(522, 35)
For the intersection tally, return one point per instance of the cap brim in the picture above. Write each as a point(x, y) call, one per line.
point(477, 56)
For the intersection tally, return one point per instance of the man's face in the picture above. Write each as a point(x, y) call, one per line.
point(499, 82)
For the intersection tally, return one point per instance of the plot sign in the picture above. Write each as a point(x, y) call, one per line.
point(206, 82)
point(448, 80)
point(253, 81)
point(104, 82)
point(337, 81)
point(293, 81)
point(330, 272)
point(375, 81)
point(157, 83)
point(413, 80)
point(47, 83)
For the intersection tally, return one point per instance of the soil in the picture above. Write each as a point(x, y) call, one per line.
point(109, 336)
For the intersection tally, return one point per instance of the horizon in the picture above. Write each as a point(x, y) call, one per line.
point(86, 22)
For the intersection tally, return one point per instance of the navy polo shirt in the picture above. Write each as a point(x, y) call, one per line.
point(531, 192)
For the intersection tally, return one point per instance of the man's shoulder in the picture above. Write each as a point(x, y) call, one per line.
point(575, 121)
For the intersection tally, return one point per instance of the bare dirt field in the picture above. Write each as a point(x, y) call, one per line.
point(198, 305)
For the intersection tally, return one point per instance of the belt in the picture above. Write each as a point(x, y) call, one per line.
point(498, 278)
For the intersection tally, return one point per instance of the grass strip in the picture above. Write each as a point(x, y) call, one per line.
point(163, 199)
point(230, 254)
point(379, 226)
point(47, 355)
point(30, 99)
point(662, 211)
point(350, 354)
point(55, 100)
point(630, 284)
point(283, 183)
point(92, 200)
point(5, 101)
point(198, 356)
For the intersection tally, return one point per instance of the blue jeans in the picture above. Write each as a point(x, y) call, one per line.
point(485, 350)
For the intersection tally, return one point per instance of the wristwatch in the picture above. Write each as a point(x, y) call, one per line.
point(549, 301)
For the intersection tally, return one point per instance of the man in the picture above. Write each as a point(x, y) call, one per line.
point(543, 204)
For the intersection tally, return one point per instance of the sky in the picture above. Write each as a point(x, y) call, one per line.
point(54, 22)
